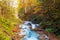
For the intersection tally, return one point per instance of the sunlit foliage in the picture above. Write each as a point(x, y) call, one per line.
point(7, 20)
point(44, 12)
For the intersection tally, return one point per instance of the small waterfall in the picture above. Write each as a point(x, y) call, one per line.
point(25, 30)
point(29, 34)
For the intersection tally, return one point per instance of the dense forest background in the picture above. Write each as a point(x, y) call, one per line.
point(44, 12)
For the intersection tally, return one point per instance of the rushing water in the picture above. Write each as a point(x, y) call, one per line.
point(27, 32)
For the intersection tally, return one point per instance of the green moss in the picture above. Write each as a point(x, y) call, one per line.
point(6, 25)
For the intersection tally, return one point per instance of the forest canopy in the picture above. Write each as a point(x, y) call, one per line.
point(43, 12)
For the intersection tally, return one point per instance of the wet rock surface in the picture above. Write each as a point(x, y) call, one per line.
point(26, 33)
